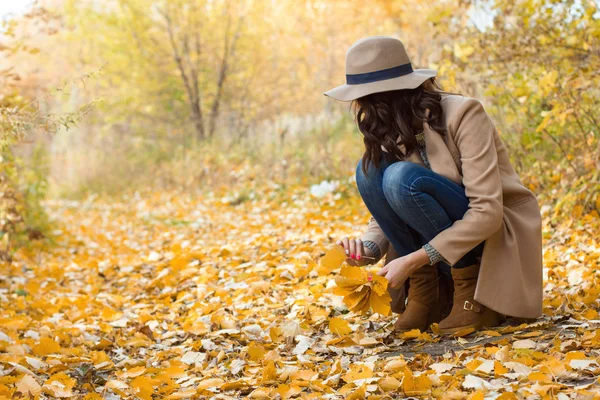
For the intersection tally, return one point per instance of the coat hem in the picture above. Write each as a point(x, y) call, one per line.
point(506, 312)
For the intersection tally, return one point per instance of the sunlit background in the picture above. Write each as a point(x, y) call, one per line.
point(116, 97)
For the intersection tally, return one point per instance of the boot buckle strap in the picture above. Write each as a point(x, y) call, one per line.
point(471, 306)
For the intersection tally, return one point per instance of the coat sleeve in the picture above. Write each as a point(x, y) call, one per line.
point(474, 134)
point(375, 234)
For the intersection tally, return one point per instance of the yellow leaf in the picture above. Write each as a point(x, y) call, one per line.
point(380, 285)
point(234, 385)
point(46, 346)
point(256, 353)
point(303, 375)
point(381, 304)
point(362, 292)
point(358, 394)
point(283, 390)
point(100, 358)
point(538, 376)
point(275, 333)
point(415, 385)
point(507, 396)
point(499, 369)
point(143, 387)
point(63, 379)
point(132, 372)
point(116, 384)
point(492, 350)
point(345, 290)
point(473, 364)
point(368, 341)
point(210, 383)
point(464, 332)
point(182, 394)
point(195, 327)
point(339, 326)
point(28, 386)
point(590, 313)
point(575, 355)
point(548, 82)
point(344, 341)
point(180, 262)
point(478, 395)
point(553, 367)
point(503, 354)
point(358, 301)
point(287, 391)
point(389, 383)
point(352, 276)
point(357, 372)
point(269, 371)
point(412, 334)
point(262, 393)
point(56, 390)
point(332, 259)
point(491, 333)
point(174, 371)
point(395, 365)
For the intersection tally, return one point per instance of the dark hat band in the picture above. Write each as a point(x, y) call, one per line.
point(389, 73)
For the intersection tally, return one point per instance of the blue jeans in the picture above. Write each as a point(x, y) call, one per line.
point(412, 204)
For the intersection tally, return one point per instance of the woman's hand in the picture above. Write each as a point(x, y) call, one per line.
point(356, 252)
point(397, 271)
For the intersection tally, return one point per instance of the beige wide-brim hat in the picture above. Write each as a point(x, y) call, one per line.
point(378, 64)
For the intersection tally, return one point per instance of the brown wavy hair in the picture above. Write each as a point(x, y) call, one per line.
point(393, 118)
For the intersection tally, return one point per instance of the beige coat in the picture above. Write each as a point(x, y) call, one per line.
point(501, 211)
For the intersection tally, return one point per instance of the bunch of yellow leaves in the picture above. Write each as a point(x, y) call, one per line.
point(361, 290)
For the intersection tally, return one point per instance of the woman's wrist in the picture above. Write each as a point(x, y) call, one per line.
point(419, 258)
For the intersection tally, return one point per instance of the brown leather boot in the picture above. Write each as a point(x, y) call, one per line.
point(466, 312)
point(422, 308)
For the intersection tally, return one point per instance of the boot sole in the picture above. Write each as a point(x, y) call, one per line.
point(409, 329)
point(434, 316)
point(489, 319)
point(451, 331)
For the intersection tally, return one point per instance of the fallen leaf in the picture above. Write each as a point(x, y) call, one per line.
point(339, 326)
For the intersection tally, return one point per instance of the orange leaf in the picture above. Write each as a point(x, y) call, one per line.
point(381, 304)
point(415, 385)
point(332, 259)
point(339, 326)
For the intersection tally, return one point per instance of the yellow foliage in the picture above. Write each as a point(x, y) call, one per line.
point(254, 323)
point(415, 385)
point(332, 260)
point(339, 326)
point(362, 291)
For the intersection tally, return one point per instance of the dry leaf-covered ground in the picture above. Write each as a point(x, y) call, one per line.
point(174, 296)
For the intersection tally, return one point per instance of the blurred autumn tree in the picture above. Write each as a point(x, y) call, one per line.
point(537, 64)
point(220, 92)
point(22, 115)
point(190, 85)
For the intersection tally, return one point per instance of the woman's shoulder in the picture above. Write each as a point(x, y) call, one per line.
point(454, 100)
point(457, 107)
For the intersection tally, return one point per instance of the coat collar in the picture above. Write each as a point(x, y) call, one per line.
point(440, 156)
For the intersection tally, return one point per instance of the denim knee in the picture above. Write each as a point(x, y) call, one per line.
point(366, 180)
point(398, 179)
